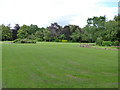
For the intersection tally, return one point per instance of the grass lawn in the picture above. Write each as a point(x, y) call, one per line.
point(58, 65)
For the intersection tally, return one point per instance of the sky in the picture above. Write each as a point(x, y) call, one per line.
point(64, 12)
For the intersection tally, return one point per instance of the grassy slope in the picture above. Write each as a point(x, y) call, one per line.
point(47, 65)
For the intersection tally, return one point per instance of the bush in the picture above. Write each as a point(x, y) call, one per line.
point(74, 40)
point(64, 41)
point(70, 41)
point(16, 41)
point(31, 37)
point(60, 40)
point(116, 43)
point(107, 43)
point(39, 39)
point(57, 40)
point(99, 41)
point(24, 41)
point(33, 41)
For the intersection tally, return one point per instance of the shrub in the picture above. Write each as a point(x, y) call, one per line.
point(31, 37)
point(64, 41)
point(57, 40)
point(107, 43)
point(60, 40)
point(16, 40)
point(23, 41)
point(70, 41)
point(116, 43)
point(39, 39)
point(74, 40)
point(33, 41)
point(99, 41)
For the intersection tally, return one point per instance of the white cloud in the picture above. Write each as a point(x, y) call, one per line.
point(44, 12)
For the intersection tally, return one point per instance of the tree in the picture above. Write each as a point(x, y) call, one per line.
point(47, 35)
point(32, 37)
point(76, 36)
point(16, 27)
point(15, 31)
point(32, 29)
point(86, 34)
point(111, 31)
point(69, 29)
point(97, 21)
point(66, 32)
point(94, 29)
point(0, 32)
point(62, 37)
point(117, 19)
point(6, 33)
point(23, 31)
point(55, 29)
point(39, 34)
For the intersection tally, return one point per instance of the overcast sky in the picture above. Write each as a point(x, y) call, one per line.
point(44, 12)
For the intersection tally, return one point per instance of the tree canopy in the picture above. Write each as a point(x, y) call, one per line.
point(97, 28)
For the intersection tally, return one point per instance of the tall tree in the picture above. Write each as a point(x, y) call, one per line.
point(76, 36)
point(66, 32)
point(26, 31)
point(23, 31)
point(6, 33)
point(15, 31)
point(55, 29)
point(47, 35)
point(39, 34)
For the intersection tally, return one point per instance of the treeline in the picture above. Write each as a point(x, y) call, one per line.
point(97, 29)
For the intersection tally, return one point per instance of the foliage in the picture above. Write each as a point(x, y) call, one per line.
point(62, 36)
point(97, 21)
point(6, 33)
point(64, 41)
point(55, 30)
point(15, 31)
point(23, 32)
point(116, 43)
point(47, 35)
point(27, 41)
point(86, 34)
point(97, 27)
point(39, 39)
point(107, 43)
point(31, 37)
point(39, 34)
point(99, 41)
point(24, 41)
point(76, 36)
point(17, 40)
point(57, 40)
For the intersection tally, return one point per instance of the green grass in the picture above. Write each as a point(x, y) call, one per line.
point(58, 65)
